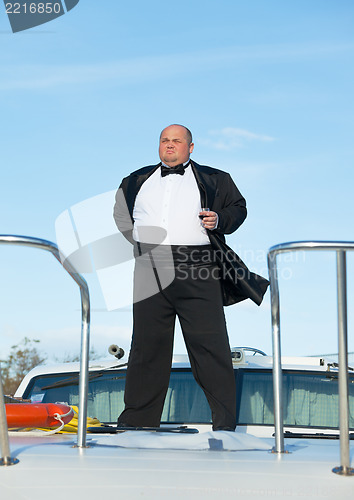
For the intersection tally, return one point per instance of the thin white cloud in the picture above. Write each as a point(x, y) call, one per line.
point(46, 76)
point(231, 138)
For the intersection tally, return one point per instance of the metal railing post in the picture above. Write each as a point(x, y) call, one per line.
point(277, 371)
point(84, 368)
point(343, 393)
point(6, 458)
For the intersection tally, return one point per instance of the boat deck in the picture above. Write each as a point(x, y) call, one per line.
point(149, 465)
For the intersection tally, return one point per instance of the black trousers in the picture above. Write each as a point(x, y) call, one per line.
point(195, 297)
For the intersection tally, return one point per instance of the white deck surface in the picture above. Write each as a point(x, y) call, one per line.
point(117, 466)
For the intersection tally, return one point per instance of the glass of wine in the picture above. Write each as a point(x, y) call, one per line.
point(203, 209)
point(201, 217)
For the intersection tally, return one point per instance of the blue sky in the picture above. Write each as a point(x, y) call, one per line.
point(266, 88)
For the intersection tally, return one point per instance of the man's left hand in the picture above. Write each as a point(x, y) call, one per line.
point(210, 219)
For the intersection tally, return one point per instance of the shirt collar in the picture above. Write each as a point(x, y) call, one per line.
point(184, 164)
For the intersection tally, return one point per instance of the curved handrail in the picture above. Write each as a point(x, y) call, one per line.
point(341, 247)
point(42, 244)
point(251, 349)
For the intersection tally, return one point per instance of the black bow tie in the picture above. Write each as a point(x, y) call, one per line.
point(178, 169)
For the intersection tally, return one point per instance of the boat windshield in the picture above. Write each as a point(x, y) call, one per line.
point(185, 401)
point(310, 398)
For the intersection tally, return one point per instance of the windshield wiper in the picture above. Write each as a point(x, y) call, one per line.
point(75, 380)
point(316, 435)
point(69, 381)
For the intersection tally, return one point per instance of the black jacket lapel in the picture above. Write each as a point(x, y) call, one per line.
point(206, 185)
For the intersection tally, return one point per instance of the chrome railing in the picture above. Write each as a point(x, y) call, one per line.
point(5, 458)
point(340, 247)
point(85, 342)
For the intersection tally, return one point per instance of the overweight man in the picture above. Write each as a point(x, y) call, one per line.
point(176, 214)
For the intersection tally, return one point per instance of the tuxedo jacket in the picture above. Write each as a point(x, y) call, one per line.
point(219, 193)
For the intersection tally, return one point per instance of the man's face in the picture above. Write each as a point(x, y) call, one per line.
point(174, 145)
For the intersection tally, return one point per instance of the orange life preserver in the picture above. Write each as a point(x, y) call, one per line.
point(37, 414)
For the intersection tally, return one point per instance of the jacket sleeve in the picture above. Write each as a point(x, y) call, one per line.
point(232, 209)
point(121, 214)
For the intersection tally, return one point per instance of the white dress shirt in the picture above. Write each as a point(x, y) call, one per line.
point(166, 210)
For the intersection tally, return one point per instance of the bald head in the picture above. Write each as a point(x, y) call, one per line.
point(175, 145)
point(187, 131)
